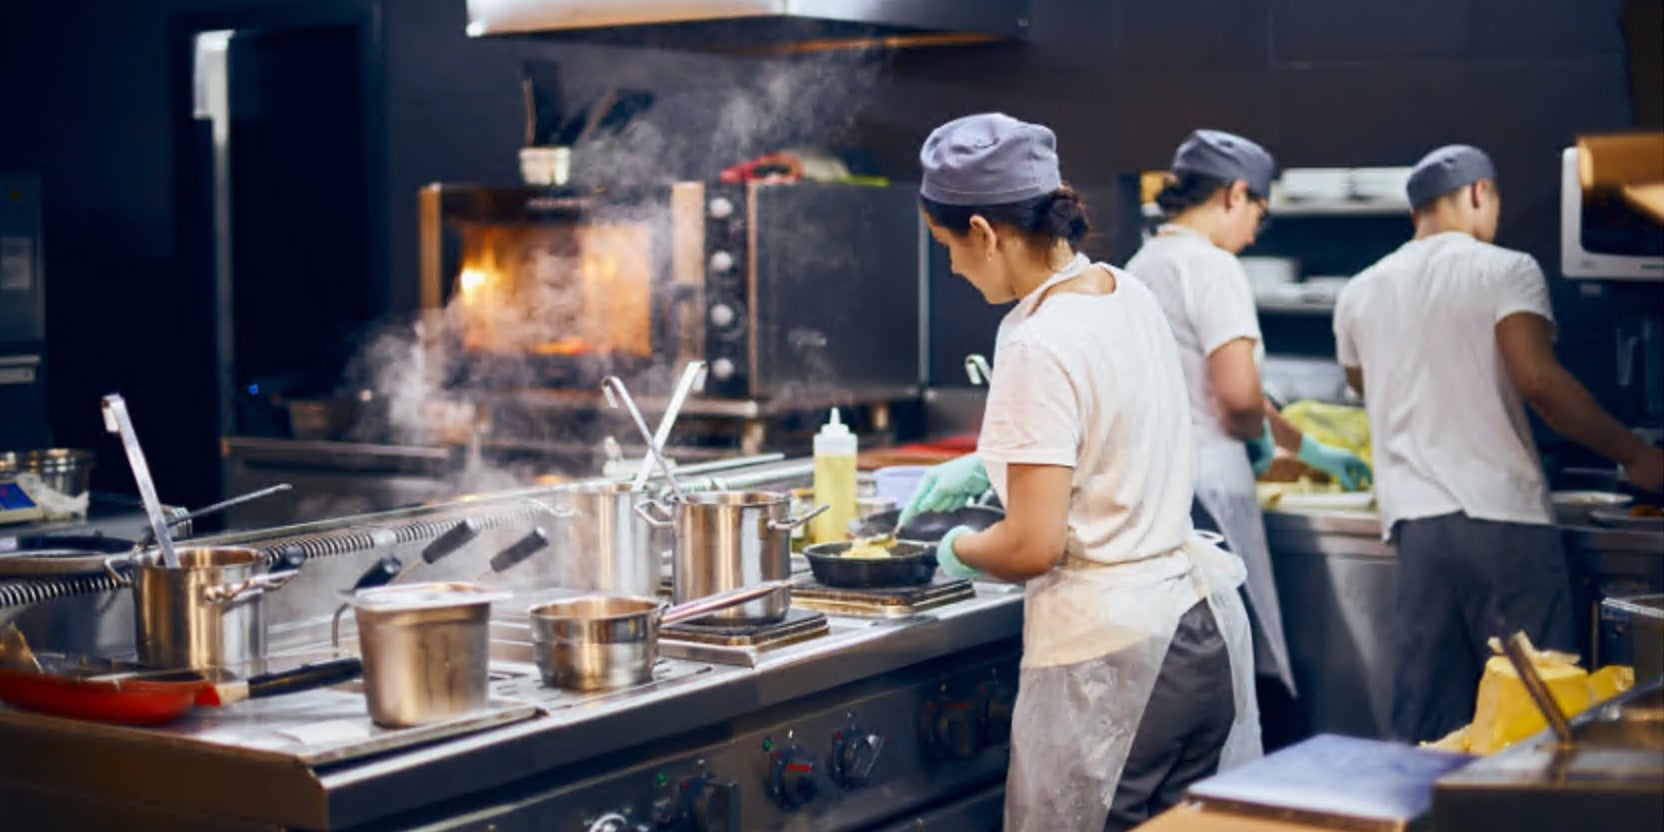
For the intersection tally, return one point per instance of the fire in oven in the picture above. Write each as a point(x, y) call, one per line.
point(783, 289)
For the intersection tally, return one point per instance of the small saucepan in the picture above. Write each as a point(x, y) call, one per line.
point(910, 563)
point(602, 642)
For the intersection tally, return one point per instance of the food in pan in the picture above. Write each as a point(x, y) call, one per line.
point(867, 551)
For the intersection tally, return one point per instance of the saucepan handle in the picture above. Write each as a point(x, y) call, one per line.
point(790, 523)
point(110, 565)
point(230, 593)
point(721, 600)
point(657, 514)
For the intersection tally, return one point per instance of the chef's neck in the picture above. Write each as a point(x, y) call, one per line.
point(1434, 221)
point(1032, 266)
point(1209, 220)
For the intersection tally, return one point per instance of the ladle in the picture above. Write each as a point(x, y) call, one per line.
point(693, 378)
point(117, 421)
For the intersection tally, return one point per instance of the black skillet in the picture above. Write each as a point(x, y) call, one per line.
point(911, 562)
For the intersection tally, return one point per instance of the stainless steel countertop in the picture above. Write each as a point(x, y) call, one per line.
point(1367, 524)
point(208, 764)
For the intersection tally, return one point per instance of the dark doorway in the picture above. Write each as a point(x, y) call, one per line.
point(275, 183)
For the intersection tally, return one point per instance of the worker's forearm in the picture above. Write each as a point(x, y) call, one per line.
point(1283, 432)
point(1242, 424)
point(1566, 406)
point(1003, 553)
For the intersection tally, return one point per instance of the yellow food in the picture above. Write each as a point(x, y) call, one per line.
point(867, 551)
point(1610, 681)
point(1504, 713)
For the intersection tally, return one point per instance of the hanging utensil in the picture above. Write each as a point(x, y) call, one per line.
point(150, 537)
point(613, 387)
point(693, 378)
point(117, 421)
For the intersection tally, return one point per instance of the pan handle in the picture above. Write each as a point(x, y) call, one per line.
point(110, 564)
point(790, 523)
point(664, 518)
point(230, 593)
point(721, 600)
point(306, 677)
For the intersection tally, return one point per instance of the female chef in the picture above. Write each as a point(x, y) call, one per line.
point(1215, 201)
point(1136, 677)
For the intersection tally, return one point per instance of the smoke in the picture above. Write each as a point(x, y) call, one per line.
point(479, 378)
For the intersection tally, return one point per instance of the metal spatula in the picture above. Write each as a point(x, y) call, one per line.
point(116, 420)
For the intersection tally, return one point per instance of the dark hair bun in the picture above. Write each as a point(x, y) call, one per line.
point(1066, 216)
point(1187, 190)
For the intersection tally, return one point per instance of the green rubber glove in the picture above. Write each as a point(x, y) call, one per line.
point(948, 560)
point(1345, 467)
point(1261, 449)
point(951, 485)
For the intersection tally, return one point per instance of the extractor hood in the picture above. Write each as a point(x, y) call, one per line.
point(755, 25)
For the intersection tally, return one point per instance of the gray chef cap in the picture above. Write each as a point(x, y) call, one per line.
point(988, 159)
point(1226, 156)
point(1446, 169)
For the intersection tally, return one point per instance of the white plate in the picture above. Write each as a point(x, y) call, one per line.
point(1343, 501)
point(1619, 518)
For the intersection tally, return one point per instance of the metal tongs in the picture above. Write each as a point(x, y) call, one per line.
point(693, 378)
point(117, 420)
point(618, 395)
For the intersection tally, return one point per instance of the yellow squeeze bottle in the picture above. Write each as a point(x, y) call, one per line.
point(834, 481)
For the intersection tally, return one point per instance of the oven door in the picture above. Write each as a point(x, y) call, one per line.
point(540, 288)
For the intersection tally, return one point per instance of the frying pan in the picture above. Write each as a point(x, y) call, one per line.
point(928, 526)
point(911, 562)
point(80, 691)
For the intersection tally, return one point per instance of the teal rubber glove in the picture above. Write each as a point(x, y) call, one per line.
point(1261, 449)
point(1345, 467)
point(951, 485)
point(948, 560)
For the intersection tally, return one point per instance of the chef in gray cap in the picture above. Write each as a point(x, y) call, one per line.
point(1215, 200)
point(1136, 670)
point(1446, 337)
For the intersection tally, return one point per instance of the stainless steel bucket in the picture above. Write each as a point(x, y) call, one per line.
point(426, 649)
point(728, 540)
point(606, 547)
point(208, 613)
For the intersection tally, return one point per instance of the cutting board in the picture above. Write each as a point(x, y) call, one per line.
point(1334, 782)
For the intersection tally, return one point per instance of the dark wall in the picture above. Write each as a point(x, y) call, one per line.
point(89, 89)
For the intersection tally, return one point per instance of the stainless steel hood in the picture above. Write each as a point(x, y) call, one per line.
point(755, 25)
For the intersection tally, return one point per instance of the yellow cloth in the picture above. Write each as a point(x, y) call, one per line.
point(1332, 424)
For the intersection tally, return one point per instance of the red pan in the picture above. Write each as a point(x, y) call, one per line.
point(152, 699)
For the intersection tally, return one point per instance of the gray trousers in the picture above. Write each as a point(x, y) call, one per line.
point(1461, 581)
point(1184, 726)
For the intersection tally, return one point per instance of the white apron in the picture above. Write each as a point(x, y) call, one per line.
point(1225, 487)
point(1094, 638)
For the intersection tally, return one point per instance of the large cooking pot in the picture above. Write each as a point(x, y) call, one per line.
point(602, 642)
point(606, 546)
point(207, 613)
point(729, 540)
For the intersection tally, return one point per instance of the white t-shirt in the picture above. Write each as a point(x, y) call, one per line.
point(1092, 382)
point(1205, 295)
point(1448, 429)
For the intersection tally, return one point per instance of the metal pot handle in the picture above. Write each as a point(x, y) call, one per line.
point(646, 508)
point(790, 523)
point(121, 580)
point(230, 593)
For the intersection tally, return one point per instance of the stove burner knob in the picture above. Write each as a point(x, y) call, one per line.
point(666, 813)
point(1002, 700)
point(854, 754)
point(711, 805)
point(722, 369)
point(721, 208)
point(723, 315)
point(721, 261)
point(953, 728)
point(793, 781)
